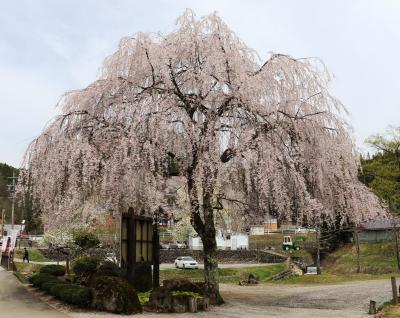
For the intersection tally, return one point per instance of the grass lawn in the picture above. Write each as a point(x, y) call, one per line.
point(226, 275)
point(375, 258)
point(391, 311)
point(327, 278)
point(34, 255)
point(27, 268)
point(276, 240)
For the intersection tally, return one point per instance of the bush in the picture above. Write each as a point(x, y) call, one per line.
point(109, 268)
point(86, 239)
point(85, 266)
point(67, 292)
point(74, 295)
point(39, 279)
point(52, 285)
point(56, 270)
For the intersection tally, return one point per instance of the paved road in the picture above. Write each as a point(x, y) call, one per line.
point(347, 300)
point(17, 302)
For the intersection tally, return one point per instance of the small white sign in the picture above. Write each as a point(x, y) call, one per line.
point(312, 270)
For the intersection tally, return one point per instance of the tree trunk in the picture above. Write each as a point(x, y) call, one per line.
point(318, 252)
point(396, 233)
point(211, 277)
point(357, 251)
point(156, 254)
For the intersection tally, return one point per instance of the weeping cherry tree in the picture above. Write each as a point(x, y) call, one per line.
point(238, 128)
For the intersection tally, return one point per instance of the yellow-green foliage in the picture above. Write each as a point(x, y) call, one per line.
point(144, 297)
point(186, 294)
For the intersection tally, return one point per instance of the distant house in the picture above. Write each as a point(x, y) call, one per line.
point(270, 224)
point(377, 231)
point(257, 230)
point(237, 241)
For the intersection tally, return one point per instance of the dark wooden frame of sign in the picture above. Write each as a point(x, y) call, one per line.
point(131, 264)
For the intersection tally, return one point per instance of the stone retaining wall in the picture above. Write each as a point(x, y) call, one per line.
point(240, 256)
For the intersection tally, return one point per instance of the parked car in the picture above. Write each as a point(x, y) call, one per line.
point(164, 246)
point(186, 262)
point(181, 245)
point(301, 230)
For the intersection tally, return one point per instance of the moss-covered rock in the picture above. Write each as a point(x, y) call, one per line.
point(115, 294)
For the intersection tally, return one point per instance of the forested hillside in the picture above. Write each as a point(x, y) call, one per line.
point(26, 213)
point(381, 171)
point(7, 171)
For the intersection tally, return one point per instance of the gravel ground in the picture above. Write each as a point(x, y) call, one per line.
point(347, 300)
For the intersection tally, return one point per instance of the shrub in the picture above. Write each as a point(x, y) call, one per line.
point(85, 266)
point(86, 239)
point(39, 279)
point(109, 268)
point(52, 285)
point(74, 295)
point(56, 270)
point(65, 291)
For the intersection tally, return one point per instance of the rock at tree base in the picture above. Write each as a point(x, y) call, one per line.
point(162, 299)
point(115, 294)
point(184, 285)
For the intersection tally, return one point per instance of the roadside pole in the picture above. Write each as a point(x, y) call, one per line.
point(2, 222)
point(11, 189)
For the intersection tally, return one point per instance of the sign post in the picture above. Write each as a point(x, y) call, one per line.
point(137, 249)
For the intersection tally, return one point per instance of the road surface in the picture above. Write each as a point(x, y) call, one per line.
point(347, 300)
point(17, 302)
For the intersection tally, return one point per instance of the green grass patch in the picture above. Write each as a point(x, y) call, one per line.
point(375, 258)
point(226, 275)
point(34, 255)
point(391, 311)
point(27, 267)
point(327, 278)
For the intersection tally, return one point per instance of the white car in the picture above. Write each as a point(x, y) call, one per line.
point(186, 262)
point(301, 230)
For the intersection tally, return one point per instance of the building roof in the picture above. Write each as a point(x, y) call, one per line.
point(377, 225)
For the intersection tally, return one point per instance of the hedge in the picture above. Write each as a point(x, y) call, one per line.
point(56, 270)
point(75, 295)
point(65, 291)
point(38, 279)
point(86, 265)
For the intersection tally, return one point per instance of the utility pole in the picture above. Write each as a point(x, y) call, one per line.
point(11, 189)
point(2, 222)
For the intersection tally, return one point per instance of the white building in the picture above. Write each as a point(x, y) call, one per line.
point(237, 241)
point(257, 230)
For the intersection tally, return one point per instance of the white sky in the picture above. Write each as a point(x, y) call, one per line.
point(49, 47)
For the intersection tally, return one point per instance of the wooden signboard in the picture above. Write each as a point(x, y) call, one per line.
point(137, 249)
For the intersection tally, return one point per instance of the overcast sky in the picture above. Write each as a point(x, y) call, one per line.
point(49, 47)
